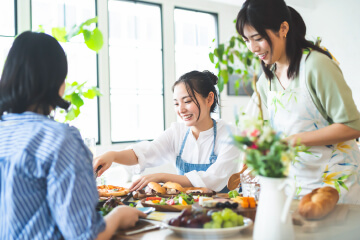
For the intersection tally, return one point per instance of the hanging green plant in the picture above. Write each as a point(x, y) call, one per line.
point(76, 92)
point(234, 58)
point(93, 37)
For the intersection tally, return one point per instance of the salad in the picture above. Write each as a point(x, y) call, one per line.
point(180, 199)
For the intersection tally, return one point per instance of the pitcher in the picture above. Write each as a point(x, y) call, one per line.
point(273, 220)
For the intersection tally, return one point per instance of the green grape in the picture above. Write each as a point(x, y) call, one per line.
point(216, 225)
point(233, 217)
point(216, 214)
point(225, 215)
point(228, 224)
point(217, 219)
point(227, 210)
point(240, 220)
point(208, 225)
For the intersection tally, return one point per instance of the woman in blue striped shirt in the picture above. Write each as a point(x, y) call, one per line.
point(47, 186)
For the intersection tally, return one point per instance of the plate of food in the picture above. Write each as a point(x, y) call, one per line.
point(172, 204)
point(209, 224)
point(111, 190)
point(170, 189)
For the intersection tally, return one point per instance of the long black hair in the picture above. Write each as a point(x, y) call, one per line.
point(34, 71)
point(265, 15)
point(201, 82)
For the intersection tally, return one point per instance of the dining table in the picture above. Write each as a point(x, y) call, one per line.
point(342, 227)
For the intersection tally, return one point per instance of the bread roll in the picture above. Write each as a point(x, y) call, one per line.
point(318, 203)
point(157, 187)
point(172, 185)
point(197, 190)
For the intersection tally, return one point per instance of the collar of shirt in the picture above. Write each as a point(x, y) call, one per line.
point(23, 116)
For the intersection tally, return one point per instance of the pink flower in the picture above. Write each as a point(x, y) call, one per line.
point(255, 133)
point(254, 146)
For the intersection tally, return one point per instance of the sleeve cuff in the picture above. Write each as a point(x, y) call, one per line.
point(195, 179)
point(140, 167)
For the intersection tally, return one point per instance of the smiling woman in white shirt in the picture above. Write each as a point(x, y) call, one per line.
point(199, 147)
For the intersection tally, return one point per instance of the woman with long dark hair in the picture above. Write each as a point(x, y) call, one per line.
point(306, 96)
point(47, 186)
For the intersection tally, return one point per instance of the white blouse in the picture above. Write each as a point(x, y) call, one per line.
point(166, 148)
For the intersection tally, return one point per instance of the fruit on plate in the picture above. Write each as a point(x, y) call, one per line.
point(219, 203)
point(207, 219)
point(245, 202)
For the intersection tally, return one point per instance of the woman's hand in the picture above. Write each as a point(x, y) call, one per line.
point(120, 217)
point(105, 160)
point(144, 180)
point(128, 216)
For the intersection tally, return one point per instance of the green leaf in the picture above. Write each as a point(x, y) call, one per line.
point(211, 56)
point(59, 34)
point(220, 84)
point(344, 177)
point(74, 31)
point(89, 21)
point(94, 41)
point(91, 93)
point(76, 100)
point(216, 53)
point(40, 29)
point(231, 58)
point(225, 75)
point(337, 186)
point(70, 115)
point(343, 185)
point(86, 34)
point(230, 70)
point(220, 51)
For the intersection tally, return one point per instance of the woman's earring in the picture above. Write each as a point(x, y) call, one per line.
point(285, 35)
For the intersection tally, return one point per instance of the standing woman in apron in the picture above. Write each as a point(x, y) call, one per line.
point(306, 97)
point(199, 147)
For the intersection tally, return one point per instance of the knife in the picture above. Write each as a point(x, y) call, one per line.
point(147, 228)
point(128, 197)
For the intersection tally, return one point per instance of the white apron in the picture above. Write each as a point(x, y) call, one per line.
point(292, 111)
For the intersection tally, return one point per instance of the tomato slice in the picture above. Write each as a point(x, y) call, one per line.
point(153, 198)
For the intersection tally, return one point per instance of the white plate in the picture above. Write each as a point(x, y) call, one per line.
point(203, 233)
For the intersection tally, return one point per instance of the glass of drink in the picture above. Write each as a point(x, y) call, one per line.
point(250, 186)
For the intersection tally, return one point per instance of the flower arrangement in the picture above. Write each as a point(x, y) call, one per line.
point(267, 152)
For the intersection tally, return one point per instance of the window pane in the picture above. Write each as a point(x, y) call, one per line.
point(7, 31)
point(136, 78)
point(7, 18)
point(82, 62)
point(194, 35)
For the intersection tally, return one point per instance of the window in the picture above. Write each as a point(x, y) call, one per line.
point(82, 62)
point(136, 74)
point(7, 31)
point(194, 33)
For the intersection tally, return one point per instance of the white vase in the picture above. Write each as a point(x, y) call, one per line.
point(273, 220)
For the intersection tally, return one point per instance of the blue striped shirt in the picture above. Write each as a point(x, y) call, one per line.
point(47, 185)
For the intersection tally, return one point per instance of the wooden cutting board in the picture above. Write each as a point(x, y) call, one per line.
point(336, 217)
